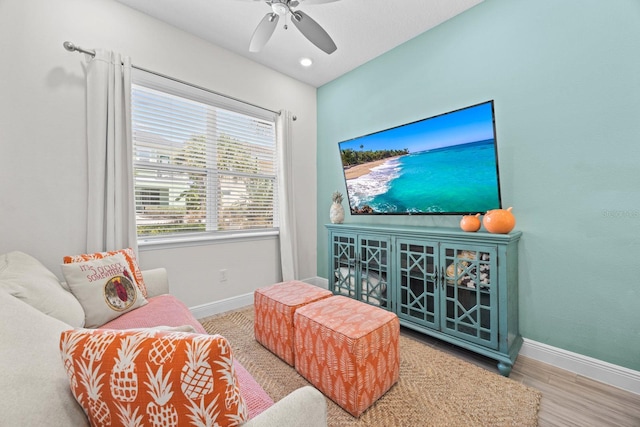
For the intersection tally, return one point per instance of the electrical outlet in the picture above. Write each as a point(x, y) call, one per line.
point(223, 275)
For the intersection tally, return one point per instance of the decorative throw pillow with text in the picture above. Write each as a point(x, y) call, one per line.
point(105, 288)
point(129, 255)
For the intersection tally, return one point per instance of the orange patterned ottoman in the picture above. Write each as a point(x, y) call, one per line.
point(274, 307)
point(348, 350)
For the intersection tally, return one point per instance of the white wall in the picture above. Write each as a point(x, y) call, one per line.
point(42, 137)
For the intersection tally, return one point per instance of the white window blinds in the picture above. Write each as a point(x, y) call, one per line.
point(203, 163)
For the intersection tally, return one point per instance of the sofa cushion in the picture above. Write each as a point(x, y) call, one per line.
point(105, 288)
point(255, 397)
point(27, 279)
point(34, 388)
point(128, 254)
point(166, 310)
point(155, 377)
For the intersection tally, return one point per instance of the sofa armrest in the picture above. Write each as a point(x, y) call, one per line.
point(156, 281)
point(305, 406)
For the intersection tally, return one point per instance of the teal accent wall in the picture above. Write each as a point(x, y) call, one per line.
point(565, 77)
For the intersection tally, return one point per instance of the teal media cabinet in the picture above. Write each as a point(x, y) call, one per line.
point(456, 286)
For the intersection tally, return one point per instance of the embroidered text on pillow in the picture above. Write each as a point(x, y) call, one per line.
point(128, 254)
point(105, 288)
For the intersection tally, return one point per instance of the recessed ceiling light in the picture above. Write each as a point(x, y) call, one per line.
point(306, 62)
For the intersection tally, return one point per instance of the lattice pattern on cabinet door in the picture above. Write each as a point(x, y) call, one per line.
point(418, 283)
point(468, 304)
point(344, 266)
point(374, 266)
point(470, 269)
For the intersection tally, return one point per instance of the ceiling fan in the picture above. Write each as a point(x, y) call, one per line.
point(303, 22)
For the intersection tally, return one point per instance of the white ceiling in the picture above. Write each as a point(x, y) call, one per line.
point(362, 29)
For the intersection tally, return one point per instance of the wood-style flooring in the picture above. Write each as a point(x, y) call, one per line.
point(568, 399)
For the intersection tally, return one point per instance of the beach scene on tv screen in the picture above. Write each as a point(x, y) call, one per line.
point(443, 164)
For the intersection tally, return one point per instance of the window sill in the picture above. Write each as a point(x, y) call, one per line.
point(150, 244)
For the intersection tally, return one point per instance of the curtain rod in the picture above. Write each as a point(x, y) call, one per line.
point(73, 48)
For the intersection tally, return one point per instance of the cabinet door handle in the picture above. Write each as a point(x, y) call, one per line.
point(442, 278)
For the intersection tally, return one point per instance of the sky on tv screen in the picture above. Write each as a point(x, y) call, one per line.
point(459, 127)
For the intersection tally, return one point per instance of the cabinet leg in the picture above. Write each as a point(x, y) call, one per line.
point(504, 368)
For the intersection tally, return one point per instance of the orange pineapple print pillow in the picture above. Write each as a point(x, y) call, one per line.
point(152, 377)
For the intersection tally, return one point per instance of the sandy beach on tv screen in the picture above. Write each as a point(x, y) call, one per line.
point(358, 170)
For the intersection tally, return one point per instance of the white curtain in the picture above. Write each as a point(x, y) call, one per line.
point(111, 206)
point(288, 245)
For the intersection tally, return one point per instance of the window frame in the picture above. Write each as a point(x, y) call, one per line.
point(164, 84)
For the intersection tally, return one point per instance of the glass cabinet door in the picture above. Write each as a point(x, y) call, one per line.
point(373, 270)
point(342, 280)
point(417, 283)
point(469, 300)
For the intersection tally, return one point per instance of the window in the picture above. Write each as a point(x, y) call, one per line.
point(203, 164)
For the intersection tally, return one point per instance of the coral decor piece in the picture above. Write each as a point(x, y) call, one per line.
point(499, 221)
point(470, 223)
point(336, 213)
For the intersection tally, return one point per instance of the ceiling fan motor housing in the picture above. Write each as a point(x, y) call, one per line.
point(280, 7)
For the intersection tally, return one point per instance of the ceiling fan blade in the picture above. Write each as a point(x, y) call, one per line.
point(263, 32)
point(313, 31)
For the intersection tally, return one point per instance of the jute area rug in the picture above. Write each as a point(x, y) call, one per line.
point(434, 389)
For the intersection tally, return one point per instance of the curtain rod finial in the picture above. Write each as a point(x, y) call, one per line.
point(73, 48)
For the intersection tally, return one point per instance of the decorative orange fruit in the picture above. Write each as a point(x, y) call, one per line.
point(499, 221)
point(470, 223)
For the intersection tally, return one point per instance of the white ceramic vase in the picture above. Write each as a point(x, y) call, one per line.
point(336, 213)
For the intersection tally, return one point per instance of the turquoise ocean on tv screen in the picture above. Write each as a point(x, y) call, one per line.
point(460, 178)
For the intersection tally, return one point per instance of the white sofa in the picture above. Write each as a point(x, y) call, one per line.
point(34, 388)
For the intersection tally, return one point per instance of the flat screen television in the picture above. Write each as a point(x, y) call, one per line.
point(441, 165)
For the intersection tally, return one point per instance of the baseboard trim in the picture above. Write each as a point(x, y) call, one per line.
point(317, 281)
point(595, 369)
point(222, 306)
point(239, 301)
